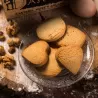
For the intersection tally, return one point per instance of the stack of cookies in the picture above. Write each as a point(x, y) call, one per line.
point(59, 46)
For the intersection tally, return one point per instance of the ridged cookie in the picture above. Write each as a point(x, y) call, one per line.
point(70, 57)
point(73, 36)
point(51, 30)
point(37, 53)
point(52, 68)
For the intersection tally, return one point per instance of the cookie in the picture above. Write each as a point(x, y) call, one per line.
point(51, 30)
point(52, 68)
point(37, 53)
point(70, 57)
point(73, 36)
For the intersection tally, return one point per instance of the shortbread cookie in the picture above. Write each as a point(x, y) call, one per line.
point(73, 36)
point(52, 68)
point(37, 53)
point(71, 57)
point(51, 30)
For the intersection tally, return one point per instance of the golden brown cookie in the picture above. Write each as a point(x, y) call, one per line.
point(73, 36)
point(52, 68)
point(71, 57)
point(37, 53)
point(51, 30)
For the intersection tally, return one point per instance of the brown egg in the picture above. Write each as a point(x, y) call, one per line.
point(83, 8)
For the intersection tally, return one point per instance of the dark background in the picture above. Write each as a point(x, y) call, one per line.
point(83, 89)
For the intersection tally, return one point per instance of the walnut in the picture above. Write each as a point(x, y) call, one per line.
point(10, 42)
point(1, 59)
point(9, 65)
point(12, 28)
point(9, 29)
point(5, 59)
point(8, 62)
point(13, 33)
point(1, 33)
point(14, 41)
point(11, 50)
point(11, 22)
point(10, 57)
point(2, 38)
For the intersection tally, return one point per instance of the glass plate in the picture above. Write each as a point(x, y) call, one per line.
point(65, 78)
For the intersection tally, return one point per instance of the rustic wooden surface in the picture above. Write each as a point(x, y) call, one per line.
point(13, 78)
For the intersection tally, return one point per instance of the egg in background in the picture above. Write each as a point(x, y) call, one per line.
point(83, 8)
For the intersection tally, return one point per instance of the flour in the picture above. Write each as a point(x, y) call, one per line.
point(17, 75)
point(89, 75)
point(23, 79)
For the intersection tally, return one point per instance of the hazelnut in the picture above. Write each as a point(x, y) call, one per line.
point(2, 51)
point(11, 50)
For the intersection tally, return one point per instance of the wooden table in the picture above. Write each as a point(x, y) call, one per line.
point(83, 89)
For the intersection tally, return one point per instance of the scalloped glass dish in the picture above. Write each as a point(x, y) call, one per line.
point(65, 78)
